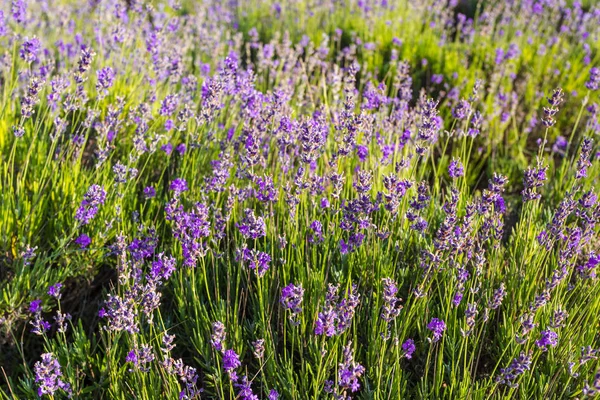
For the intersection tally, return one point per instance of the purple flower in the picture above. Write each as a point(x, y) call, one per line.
point(496, 300)
point(594, 82)
point(181, 148)
point(167, 148)
point(583, 163)
point(54, 290)
point(336, 314)
point(47, 376)
point(169, 105)
point(499, 56)
point(251, 226)
point(3, 27)
point(140, 358)
point(457, 298)
point(19, 10)
point(244, 389)
point(316, 234)
point(291, 299)
point(179, 186)
point(267, 192)
point(362, 152)
point(94, 197)
point(560, 145)
point(461, 110)
point(83, 241)
point(105, 79)
point(258, 348)
point(533, 179)
point(273, 395)
point(132, 357)
point(437, 79)
point(349, 371)
point(391, 303)
point(518, 367)
point(258, 261)
point(35, 306)
point(548, 338)
point(218, 335)
point(121, 314)
point(456, 169)
point(30, 49)
point(549, 112)
point(149, 192)
point(231, 361)
point(408, 348)
point(437, 327)
point(162, 269)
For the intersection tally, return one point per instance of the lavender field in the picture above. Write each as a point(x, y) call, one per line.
point(303, 199)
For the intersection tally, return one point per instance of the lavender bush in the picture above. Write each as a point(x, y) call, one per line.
point(299, 199)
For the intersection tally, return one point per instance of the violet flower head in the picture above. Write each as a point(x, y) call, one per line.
point(19, 11)
point(48, 376)
point(140, 357)
point(30, 49)
point(349, 371)
point(167, 343)
point(461, 110)
point(83, 241)
point(35, 306)
point(429, 125)
point(84, 64)
point(169, 105)
point(560, 145)
point(179, 186)
point(291, 299)
point(548, 338)
point(54, 290)
point(437, 327)
point(583, 163)
point(391, 303)
point(105, 79)
point(593, 82)
point(497, 298)
point(549, 112)
point(149, 192)
point(251, 226)
point(258, 261)
point(94, 197)
point(258, 348)
point(517, 367)
point(408, 348)
point(316, 232)
point(456, 169)
point(167, 148)
point(218, 336)
point(336, 314)
point(3, 27)
point(231, 362)
point(244, 389)
point(533, 178)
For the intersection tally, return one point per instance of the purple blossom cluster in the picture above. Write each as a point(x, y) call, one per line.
point(93, 198)
point(48, 376)
point(337, 313)
point(291, 299)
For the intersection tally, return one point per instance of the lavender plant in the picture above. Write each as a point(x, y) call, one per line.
point(299, 200)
